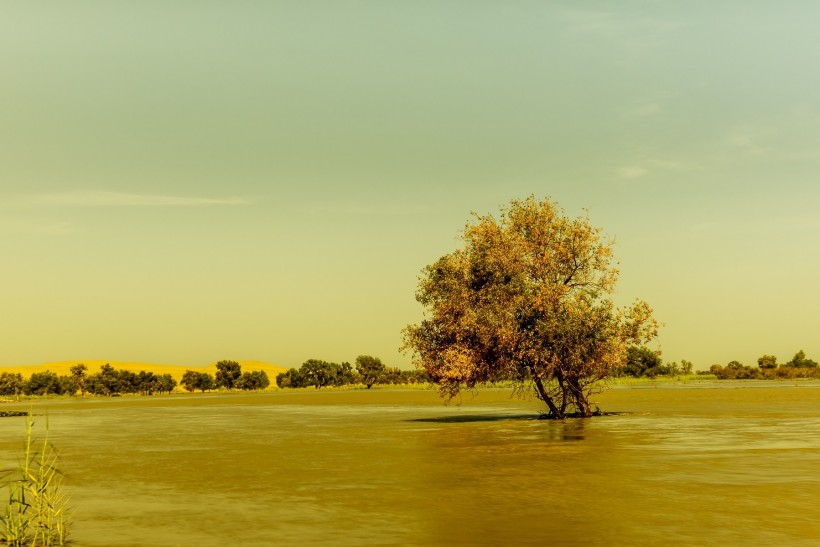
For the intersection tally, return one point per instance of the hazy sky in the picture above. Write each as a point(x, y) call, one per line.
point(182, 182)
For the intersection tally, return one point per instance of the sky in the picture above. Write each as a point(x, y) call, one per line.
point(183, 182)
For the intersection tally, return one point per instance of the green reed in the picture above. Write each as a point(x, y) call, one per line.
point(35, 514)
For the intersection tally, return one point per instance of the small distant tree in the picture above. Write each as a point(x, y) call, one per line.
point(11, 384)
point(800, 361)
point(257, 379)
point(671, 369)
point(79, 373)
point(245, 382)
point(189, 380)
point(227, 373)
point(767, 361)
point(193, 380)
point(686, 366)
point(392, 376)
point(642, 361)
point(93, 385)
point(290, 378)
point(128, 381)
point(146, 382)
point(206, 382)
point(105, 382)
point(317, 373)
point(344, 374)
point(418, 376)
point(67, 384)
point(370, 369)
point(42, 383)
point(261, 378)
point(166, 383)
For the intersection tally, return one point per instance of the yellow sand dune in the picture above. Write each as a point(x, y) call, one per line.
point(176, 371)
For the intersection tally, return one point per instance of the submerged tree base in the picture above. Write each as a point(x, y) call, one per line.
point(596, 412)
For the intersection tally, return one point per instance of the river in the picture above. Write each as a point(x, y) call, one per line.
point(683, 464)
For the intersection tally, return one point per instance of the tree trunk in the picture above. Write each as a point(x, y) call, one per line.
point(580, 399)
point(564, 390)
point(542, 394)
point(564, 398)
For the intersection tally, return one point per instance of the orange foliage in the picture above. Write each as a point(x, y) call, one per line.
point(527, 299)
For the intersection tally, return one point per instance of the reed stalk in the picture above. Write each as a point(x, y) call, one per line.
point(35, 514)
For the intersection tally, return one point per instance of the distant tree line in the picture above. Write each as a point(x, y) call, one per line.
point(643, 362)
point(229, 375)
point(369, 371)
point(111, 382)
point(107, 381)
point(767, 368)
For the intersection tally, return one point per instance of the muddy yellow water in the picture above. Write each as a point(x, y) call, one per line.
point(731, 465)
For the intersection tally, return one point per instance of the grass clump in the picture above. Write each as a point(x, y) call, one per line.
point(35, 513)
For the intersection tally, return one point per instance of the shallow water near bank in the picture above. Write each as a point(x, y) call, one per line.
point(712, 464)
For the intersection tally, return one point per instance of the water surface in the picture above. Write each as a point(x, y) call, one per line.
point(684, 465)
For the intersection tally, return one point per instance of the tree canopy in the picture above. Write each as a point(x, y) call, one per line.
point(800, 361)
point(193, 380)
point(527, 298)
point(11, 383)
point(642, 361)
point(257, 379)
point(79, 376)
point(767, 361)
point(227, 373)
point(370, 369)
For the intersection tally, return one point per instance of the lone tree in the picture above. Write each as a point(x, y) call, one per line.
point(527, 298)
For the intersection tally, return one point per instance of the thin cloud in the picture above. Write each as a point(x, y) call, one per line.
point(122, 199)
point(632, 172)
point(11, 226)
point(644, 166)
point(747, 139)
